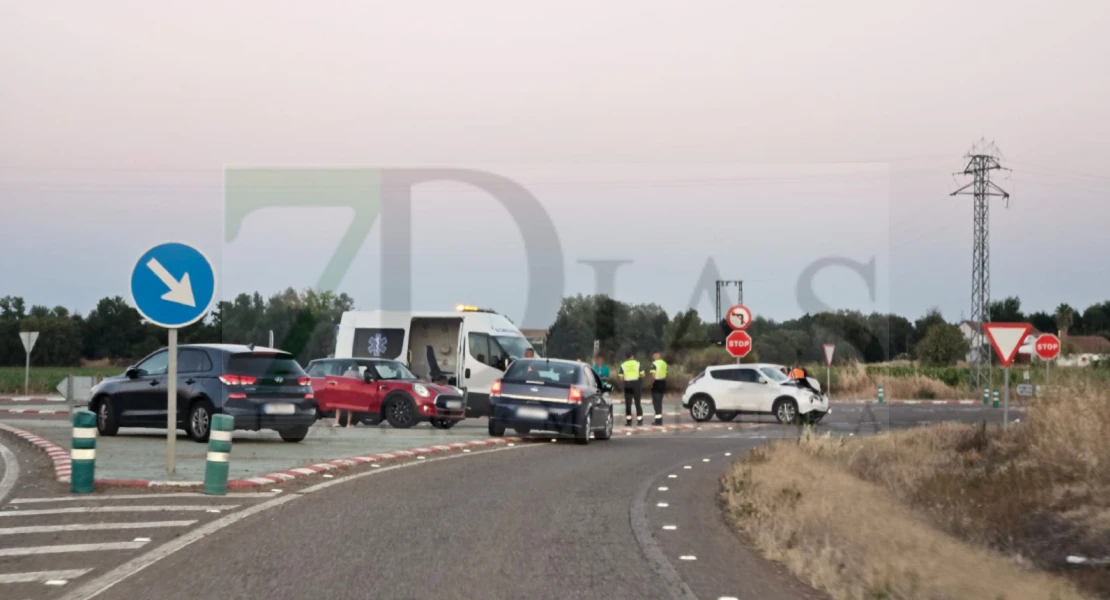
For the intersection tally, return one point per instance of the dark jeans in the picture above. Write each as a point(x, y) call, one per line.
point(658, 387)
point(632, 392)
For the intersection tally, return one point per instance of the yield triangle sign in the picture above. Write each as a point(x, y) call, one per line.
point(829, 349)
point(1006, 339)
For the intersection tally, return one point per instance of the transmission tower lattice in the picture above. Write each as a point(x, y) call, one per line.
point(983, 158)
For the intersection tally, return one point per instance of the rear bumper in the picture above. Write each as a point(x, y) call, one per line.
point(250, 416)
point(565, 418)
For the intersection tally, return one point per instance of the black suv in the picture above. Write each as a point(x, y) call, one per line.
point(262, 388)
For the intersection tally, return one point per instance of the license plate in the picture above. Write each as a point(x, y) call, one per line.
point(453, 404)
point(279, 409)
point(531, 413)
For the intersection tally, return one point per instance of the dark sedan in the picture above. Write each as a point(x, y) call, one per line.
point(551, 395)
point(261, 388)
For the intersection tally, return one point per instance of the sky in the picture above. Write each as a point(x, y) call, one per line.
point(757, 138)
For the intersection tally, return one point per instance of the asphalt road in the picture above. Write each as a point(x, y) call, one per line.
point(634, 517)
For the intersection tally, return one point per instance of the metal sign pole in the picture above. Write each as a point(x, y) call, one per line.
point(828, 380)
point(1006, 399)
point(171, 402)
point(27, 376)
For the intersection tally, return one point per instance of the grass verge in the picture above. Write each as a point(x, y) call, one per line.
point(947, 511)
point(44, 380)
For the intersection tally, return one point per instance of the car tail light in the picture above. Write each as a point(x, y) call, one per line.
point(304, 381)
point(229, 379)
point(309, 397)
point(237, 396)
point(495, 388)
point(575, 395)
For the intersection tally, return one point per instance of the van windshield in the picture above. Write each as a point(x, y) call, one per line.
point(513, 345)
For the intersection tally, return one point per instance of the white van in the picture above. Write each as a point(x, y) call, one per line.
point(469, 348)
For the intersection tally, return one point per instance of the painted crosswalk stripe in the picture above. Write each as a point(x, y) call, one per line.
point(92, 527)
point(116, 509)
point(67, 548)
point(41, 576)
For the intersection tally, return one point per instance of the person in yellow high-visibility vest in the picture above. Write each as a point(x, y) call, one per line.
point(658, 385)
point(630, 374)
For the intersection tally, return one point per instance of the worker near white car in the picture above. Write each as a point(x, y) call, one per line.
point(658, 385)
point(630, 375)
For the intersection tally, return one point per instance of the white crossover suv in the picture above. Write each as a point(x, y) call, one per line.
point(730, 390)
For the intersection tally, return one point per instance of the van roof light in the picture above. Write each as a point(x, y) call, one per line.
point(466, 308)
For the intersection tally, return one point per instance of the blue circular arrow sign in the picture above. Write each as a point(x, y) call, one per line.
point(173, 285)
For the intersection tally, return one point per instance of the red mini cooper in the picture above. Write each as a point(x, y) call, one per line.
point(376, 389)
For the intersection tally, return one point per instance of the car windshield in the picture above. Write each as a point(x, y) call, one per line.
point(773, 374)
point(391, 369)
point(542, 371)
point(264, 365)
point(514, 346)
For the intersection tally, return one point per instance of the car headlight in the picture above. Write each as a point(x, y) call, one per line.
point(421, 390)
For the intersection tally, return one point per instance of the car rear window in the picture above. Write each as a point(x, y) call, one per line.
point(542, 371)
point(264, 365)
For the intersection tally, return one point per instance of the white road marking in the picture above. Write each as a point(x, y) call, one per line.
point(670, 527)
point(67, 548)
point(510, 444)
point(142, 539)
point(687, 557)
point(11, 471)
point(672, 476)
point(727, 598)
point(687, 467)
point(104, 582)
point(117, 509)
point(57, 582)
point(705, 460)
point(728, 454)
point(662, 505)
point(419, 458)
point(375, 465)
point(466, 450)
point(44, 576)
point(663, 488)
point(328, 475)
point(92, 527)
point(142, 497)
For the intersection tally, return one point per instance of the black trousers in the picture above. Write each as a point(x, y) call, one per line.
point(658, 387)
point(632, 392)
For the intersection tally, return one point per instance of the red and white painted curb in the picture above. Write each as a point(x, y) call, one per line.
point(895, 402)
point(62, 469)
point(7, 399)
point(59, 455)
point(34, 411)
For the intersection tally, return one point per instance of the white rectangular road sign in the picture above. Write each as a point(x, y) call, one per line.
point(29, 338)
point(82, 388)
point(1025, 389)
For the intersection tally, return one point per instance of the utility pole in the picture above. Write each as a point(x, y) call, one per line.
point(981, 160)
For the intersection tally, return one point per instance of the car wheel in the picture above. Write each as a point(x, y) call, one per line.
point(701, 408)
point(726, 415)
point(607, 432)
point(496, 429)
point(786, 411)
point(401, 413)
point(293, 434)
point(583, 437)
point(107, 421)
point(522, 430)
point(199, 423)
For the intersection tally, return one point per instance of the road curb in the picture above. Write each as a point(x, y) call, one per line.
point(914, 402)
point(47, 399)
point(63, 469)
point(33, 411)
point(59, 455)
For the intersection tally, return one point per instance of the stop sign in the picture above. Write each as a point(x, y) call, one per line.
point(1047, 346)
point(738, 344)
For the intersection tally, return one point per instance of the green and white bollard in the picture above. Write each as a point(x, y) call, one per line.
point(995, 397)
point(882, 399)
point(219, 452)
point(986, 396)
point(83, 454)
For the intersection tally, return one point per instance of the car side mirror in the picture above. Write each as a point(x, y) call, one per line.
point(131, 372)
point(763, 381)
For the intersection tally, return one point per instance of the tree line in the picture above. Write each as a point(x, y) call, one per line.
point(304, 323)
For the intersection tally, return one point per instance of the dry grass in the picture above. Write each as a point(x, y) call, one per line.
point(949, 511)
point(855, 383)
